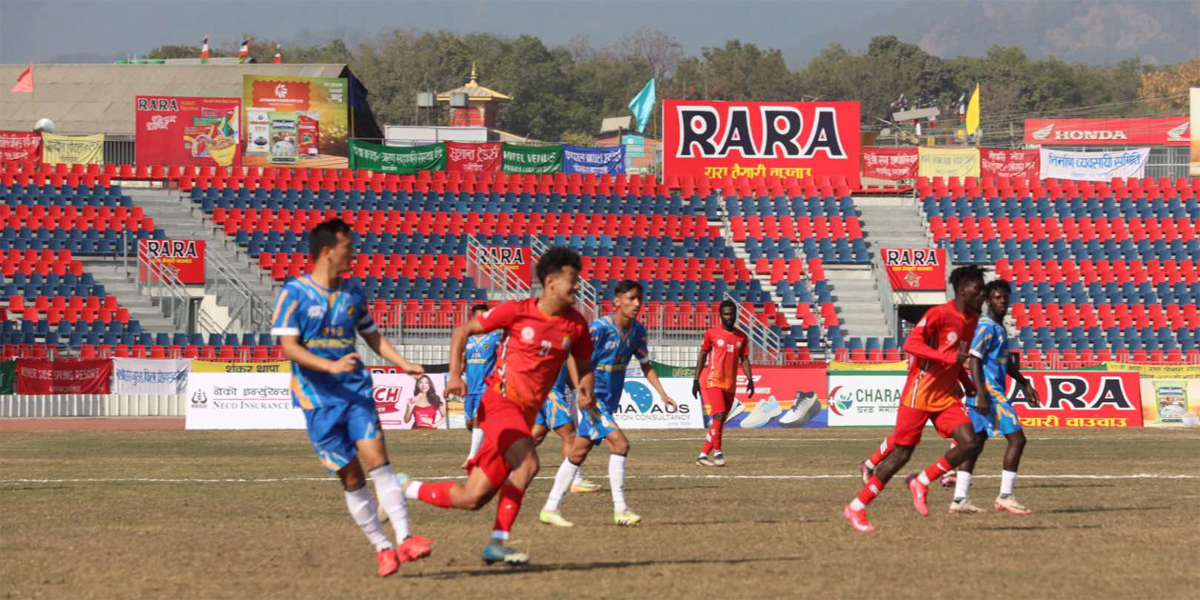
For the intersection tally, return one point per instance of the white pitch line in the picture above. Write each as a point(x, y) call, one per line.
point(681, 476)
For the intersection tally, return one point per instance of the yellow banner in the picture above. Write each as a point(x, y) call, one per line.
point(1157, 371)
point(891, 367)
point(73, 149)
point(204, 366)
point(948, 162)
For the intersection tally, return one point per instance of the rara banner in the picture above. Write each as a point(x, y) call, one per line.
point(761, 139)
point(532, 159)
point(400, 161)
point(915, 268)
point(184, 130)
point(609, 160)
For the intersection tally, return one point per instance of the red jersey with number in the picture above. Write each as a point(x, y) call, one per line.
point(725, 349)
point(933, 374)
point(535, 347)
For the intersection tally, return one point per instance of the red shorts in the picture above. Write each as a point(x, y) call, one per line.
point(503, 423)
point(717, 399)
point(910, 421)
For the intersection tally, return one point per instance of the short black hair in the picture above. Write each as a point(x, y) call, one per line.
point(325, 236)
point(998, 284)
point(966, 273)
point(479, 308)
point(727, 303)
point(554, 259)
point(626, 285)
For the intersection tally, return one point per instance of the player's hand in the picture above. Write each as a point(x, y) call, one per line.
point(749, 389)
point(413, 369)
point(455, 386)
point(696, 388)
point(1032, 394)
point(982, 404)
point(585, 399)
point(964, 350)
point(969, 389)
point(346, 364)
point(668, 401)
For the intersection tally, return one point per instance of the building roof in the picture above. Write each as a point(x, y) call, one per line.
point(98, 98)
point(474, 92)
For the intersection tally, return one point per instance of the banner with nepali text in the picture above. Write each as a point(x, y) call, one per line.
point(532, 159)
point(1008, 163)
point(21, 146)
point(184, 130)
point(73, 149)
point(397, 160)
point(949, 162)
point(911, 269)
point(889, 163)
point(598, 161)
point(473, 157)
point(1094, 166)
point(150, 375)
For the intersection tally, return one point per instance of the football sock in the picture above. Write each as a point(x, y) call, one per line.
point(476, 442)
point(868, 493)
point(1007, 479)
point(436, 494)
point(616, 480)
point(963, 485)
point(715, 431)
point(562, 482)
point(932, 472)
point(362, 508)
point(507, 509)
point(391, 498)
point(884, 449)
point(578, 479)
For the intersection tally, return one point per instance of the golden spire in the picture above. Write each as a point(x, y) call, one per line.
point(472, 74)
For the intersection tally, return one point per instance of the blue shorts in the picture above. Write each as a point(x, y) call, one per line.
point(596, 424)
point(470, 405)
point(1001, 419)
point(556, 411)
point(334, 430)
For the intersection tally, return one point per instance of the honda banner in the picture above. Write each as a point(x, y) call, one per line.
point(915, 268)
point(1093, 166)
point(407, 402)
point(889, 163)
point(21, 146)
point(1008, 163)
point(63, 376)
point(185, 258)
point(783, 397)
point(1080, 399)
point(712, 139)
point(473, 157)
point(183, 130)
point(1152, 131)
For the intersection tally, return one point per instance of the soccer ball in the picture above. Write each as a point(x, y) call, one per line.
point(44, 124)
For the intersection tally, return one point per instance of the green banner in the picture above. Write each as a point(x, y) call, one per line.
point(532, 159)
point(665, 370)
point(8, 377)
point(398, 161)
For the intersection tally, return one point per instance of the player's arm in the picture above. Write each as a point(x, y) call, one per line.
point(652, 377)
point(918, 347)
point(964, 379)
point(384, 348)
point(294, 351)
point(749, 376)
point(455, 386)
point(585, 384)
point(705, 347)
point(982, 398)
point(1031, 392)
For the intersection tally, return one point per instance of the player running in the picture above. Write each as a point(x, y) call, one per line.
point(558, 414)
point(316, 319)
point(481, 358)
point(938, 345)
point(991, 365)
point(615, 339)
point(540, 333)
point(720, 352)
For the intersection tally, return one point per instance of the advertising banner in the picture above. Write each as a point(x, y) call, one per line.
point(609, 160)
point(21, 146)
point(73, 149)
point(285, 138)
point(1093, 166)
point(1151, 131)
point(532, 159)
point(783, 397)
point(948, 162)
point(1194, 161)
point(63, 376)
point(511, 258)
point(1008, 163)
point(150, 376)
point(397, 160)
point(322, 112)
point(915, 268)
point(185, 130)
point(471, 157)
point(1080, 399)
point(1170, 393)
point(642, 408)
point(8, 377)
point(407, 402)
point(241, 396)
point(864, 397)
point(889, 163)
point(183, 257)
point(751, 139)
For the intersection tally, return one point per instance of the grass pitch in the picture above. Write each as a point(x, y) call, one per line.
point(177, 514)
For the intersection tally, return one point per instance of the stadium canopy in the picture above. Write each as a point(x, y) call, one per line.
point(98, 98)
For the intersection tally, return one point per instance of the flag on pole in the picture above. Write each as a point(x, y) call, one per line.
point(244, 51)
point(962, 106)
point(278, 54)
point(204, 52)
point(24, 81)
point(973, 112)
point(900, 102)
point(642, 105)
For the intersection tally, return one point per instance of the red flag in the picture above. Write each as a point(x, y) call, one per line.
point(24, 81)
point(204, 51)
point(278, 55)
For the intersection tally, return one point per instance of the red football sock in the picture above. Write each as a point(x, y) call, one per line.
point(436, 494)
point(508, 507)
point(881, 452)
point(718, 425)
point(932, 472)
point(870, 490)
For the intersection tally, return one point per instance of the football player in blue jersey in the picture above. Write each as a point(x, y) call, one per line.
point(481, 359)
point(615, 339)
point(558, 415)
point(317, 319)
point(990, 365)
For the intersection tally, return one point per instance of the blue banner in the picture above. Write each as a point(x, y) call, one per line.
point(609, 160)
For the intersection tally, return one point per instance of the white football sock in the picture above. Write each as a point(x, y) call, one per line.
point(578, 479)
point(857, 504)
point(476, 442)
point(362, 508)
point(1007, 479)
point(616, 481)
point(410, 492)
point(562, 482)
point(391, 498)
point(962, 485)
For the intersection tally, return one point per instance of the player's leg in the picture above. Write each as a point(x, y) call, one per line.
point(1009, 425)
point(389, 488)
point(522, 455)
point(470, 408)
point(581, 446)
point(715, 398)
point(867, 467)
point(539, 432)
point(982, 424)
point(906, 436)
point(951, 422)
point(618, 446)
point(568, 434)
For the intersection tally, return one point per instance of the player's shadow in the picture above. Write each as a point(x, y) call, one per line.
point(595, 566)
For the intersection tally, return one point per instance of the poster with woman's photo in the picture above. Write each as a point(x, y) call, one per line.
point(407, 402)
